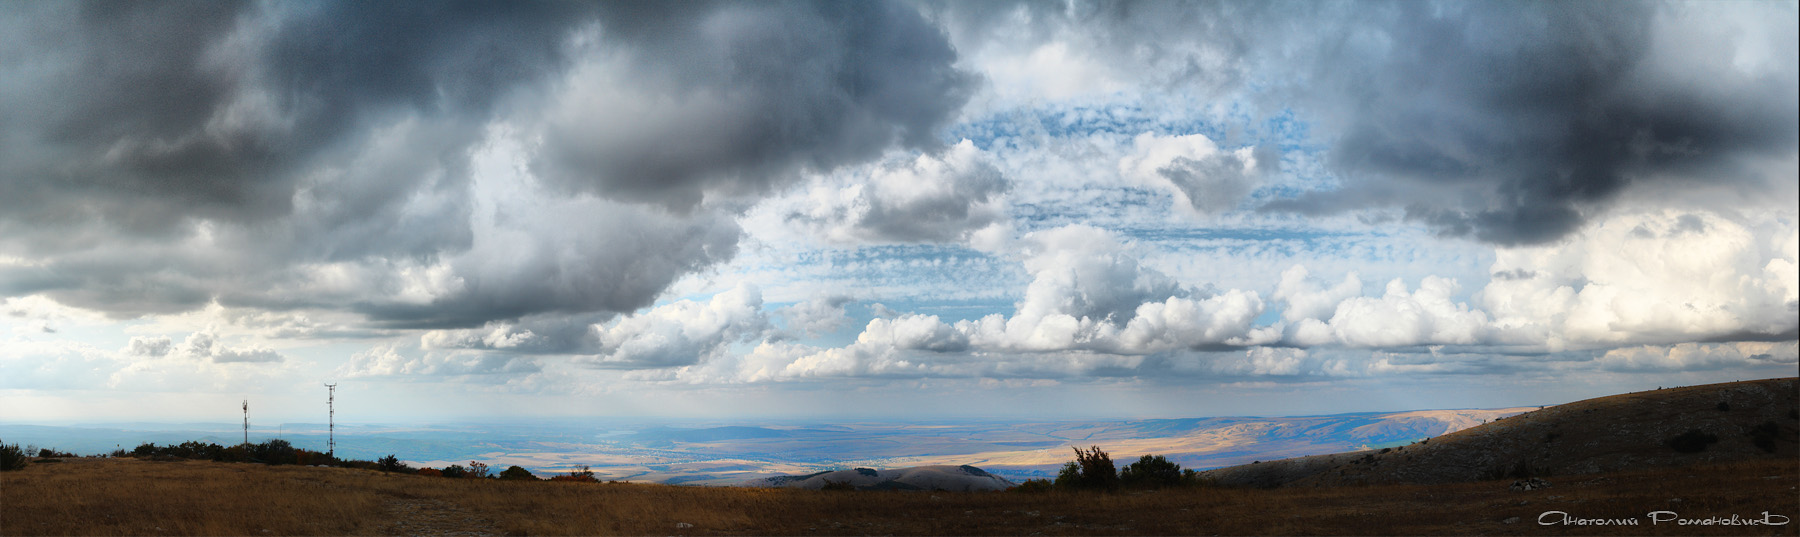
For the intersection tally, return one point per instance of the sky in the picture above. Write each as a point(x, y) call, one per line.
point(888, 210)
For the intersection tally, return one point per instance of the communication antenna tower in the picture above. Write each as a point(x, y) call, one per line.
point(246, 421)
point(331, 419)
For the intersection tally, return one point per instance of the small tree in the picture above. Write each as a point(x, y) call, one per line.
point(477, 470)
point(1092, 469)
point(517, 473)
point(12, 458)
point(1151, 472)
point(579, 474)
point(390, 463)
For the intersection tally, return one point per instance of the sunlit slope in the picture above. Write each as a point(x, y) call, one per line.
point(1213, 442)
point(1596, 435)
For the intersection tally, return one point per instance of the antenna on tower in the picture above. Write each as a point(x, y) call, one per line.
point(331, 420)
point(246, 422)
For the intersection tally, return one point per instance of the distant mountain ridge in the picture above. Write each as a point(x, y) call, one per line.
point(1723, 422)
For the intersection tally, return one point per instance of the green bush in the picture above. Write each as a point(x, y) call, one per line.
point(12, 458)
point(837, 485)
point(1693, 441)
point(517, 473)
point(273, 451)
point(455, 471)
point(1192, 478)
point(1151, 472)
point(1764, 435)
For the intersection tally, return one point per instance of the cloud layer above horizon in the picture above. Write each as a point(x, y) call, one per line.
point(586, 199)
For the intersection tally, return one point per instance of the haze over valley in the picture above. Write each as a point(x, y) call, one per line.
point(698, 453)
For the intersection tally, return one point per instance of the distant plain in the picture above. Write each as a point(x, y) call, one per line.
point(710, 453)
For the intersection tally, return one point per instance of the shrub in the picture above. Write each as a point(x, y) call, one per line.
point(1722, 407)
point(837, 485)
point(1521, 469)
point(1033, 486)
point(1764, 435)
point(12, 458)
point(1151, 472)
point(517, 473)
point(1693, 441)
point(579, 474)
point(273, 451)
point(477, 470)
point(49, 453)
point(1092, 469)
point(430, 472)
point(390, 463)
point(455, 471)
point(1192, 478)
point(238, 453)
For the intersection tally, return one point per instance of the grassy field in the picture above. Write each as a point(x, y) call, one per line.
point(137, 497)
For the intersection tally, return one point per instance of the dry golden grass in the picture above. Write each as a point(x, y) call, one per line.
point(1618, 432)
point(131, 497)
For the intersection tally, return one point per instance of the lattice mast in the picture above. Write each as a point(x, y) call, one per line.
point(331, 420)
point(246, 421)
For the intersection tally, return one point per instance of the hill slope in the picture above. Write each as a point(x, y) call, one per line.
point(141, 497)
point(1605, 434)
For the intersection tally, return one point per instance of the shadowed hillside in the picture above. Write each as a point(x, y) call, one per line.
point(1676, 426)
point(944, 477)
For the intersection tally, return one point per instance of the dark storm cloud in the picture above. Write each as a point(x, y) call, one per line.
point(1507, 122)
point(1511, 122)
point(138, 124)
point(618, 261)
point(737, 100)
point(144, 115)
point(156, 157)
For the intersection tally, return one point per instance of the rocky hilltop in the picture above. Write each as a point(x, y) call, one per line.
point(1675, 426)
